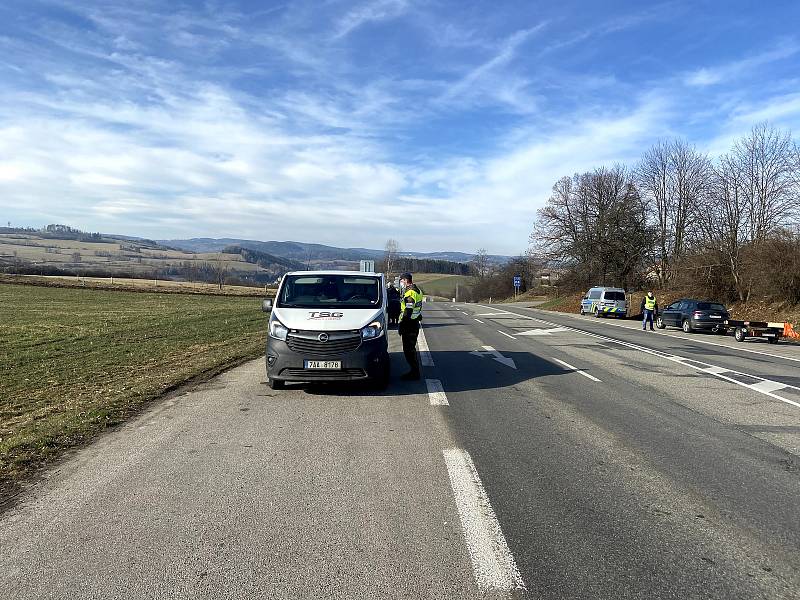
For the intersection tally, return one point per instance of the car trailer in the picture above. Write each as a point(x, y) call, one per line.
point(752, 329)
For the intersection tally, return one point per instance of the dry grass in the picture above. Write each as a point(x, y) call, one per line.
point(136, 285)
point(76, 361)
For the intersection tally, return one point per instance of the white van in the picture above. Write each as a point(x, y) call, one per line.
point(328, 326)
point(605, 301)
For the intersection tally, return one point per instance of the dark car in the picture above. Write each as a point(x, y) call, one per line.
point(694, 315)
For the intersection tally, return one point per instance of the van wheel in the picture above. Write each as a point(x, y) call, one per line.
point(687, 326)
point(739, 334)
point(660, 323)
point(276, 384)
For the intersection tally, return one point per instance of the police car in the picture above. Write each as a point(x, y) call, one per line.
point(605, 301)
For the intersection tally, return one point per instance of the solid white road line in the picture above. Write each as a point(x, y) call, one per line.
point(479, 321)
point(716, 371)
point(425, 356)
point(577, 370)
point(683, 337)
point(505, 334)
point(436, 393)
point(492, 561)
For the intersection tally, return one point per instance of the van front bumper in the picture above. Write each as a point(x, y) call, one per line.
point(369, 361)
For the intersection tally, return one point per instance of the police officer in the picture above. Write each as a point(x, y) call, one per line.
point(649, 308)
point(410, 317)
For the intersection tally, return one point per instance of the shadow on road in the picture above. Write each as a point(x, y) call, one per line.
point(459, 371)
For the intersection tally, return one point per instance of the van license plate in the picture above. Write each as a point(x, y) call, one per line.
point(323, 364)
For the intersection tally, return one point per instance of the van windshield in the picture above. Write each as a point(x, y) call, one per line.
point(330, 291)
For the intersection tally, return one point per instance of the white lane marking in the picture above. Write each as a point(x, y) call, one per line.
point(714, 370)
point(425, 356)
point(489, 351)
point(768, 386)
point(436, 393)
point(494, 314)
point(492, 562)
point(542, 331)
point(577, 370)
point(683, 337)
point(479, 321)
point(505, 334)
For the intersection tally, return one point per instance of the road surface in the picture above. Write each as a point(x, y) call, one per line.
point(542, 456)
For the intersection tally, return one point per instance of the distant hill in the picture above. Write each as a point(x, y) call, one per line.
point(314, 253)
point(60, 249)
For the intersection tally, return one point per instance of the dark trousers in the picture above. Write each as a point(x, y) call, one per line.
point(410, 334)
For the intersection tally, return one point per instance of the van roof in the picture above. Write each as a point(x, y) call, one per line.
point(362, 273)
point(605, 287)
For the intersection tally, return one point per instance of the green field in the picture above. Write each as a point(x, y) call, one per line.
point(436, 284)
point(75, 361)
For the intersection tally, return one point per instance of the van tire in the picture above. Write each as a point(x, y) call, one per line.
point(276, 384)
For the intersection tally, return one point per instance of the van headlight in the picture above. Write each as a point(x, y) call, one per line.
point(278, 330)
point(372, 331)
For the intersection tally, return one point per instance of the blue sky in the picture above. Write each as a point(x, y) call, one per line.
point(442, 124)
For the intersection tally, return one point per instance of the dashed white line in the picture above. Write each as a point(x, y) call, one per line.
point(577, 370)
point(505, 334)
point(479, 321)
point(492, 562)
point(425, 356)
point(436, 393)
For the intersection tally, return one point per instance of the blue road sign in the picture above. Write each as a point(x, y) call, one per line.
point(517, 281)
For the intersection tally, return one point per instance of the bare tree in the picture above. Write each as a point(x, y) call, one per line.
point(220, 269)
point(480, 263)
point(391, 251)
point(596, 224)
point(766, 160)
point(672, 177)
point(723, 219)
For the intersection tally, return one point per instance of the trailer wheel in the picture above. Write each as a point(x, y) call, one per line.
point(773, 340)
point(739, 334)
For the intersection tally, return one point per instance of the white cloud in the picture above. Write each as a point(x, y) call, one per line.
point(706, 76)
point(372, 10)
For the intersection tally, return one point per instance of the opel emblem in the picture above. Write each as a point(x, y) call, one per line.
point(323, 337)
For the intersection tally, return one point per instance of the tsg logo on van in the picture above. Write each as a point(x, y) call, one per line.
point(324, 315)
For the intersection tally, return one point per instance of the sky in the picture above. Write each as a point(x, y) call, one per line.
point(441, 124)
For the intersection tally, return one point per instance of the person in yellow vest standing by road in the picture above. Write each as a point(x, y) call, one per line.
point(649, 310)
point(408, 327)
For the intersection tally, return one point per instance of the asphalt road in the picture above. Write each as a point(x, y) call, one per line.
point(542, 456)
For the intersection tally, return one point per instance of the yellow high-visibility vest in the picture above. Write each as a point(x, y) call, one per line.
point(649, 303)
point(412, 299)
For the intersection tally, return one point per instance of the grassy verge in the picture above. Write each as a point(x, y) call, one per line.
point(436, 284)
point(135, 285)
point(75, 361)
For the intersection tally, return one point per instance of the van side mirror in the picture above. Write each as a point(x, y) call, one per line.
point(266, 305)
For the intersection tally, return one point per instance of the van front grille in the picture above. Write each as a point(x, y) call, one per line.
point(309, 344)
